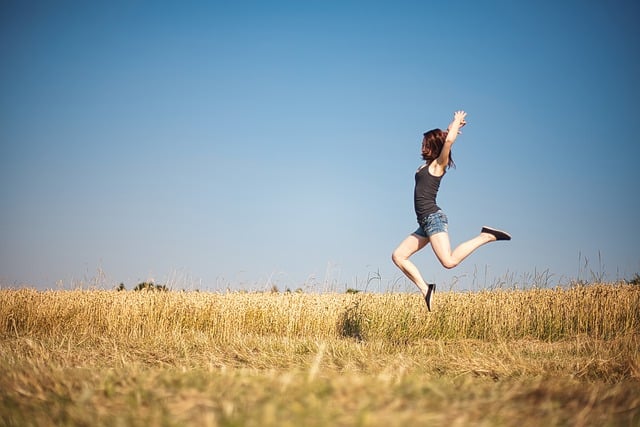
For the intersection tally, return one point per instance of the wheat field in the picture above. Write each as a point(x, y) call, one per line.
point(563, 356)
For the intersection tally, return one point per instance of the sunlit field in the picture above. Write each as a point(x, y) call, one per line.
point(564, 356)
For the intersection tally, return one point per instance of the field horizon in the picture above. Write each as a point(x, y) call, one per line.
point(562, 356)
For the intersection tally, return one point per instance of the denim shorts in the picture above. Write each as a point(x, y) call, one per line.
point(436, 222)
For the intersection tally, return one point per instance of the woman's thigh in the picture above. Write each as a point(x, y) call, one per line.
point(409, 246)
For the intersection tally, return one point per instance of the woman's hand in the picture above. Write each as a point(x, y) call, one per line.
point(458, 121)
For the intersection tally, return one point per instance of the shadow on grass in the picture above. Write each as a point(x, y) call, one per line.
point(351, 322)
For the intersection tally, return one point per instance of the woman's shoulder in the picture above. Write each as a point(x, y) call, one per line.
point(436, 170)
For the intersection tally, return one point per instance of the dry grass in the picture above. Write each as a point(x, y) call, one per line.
point(521, 357)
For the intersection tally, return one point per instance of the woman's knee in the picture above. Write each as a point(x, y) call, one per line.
point(395, 257)
point(448, 263)
point(398, 257)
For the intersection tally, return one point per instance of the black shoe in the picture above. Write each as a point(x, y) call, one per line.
point(500, 235)
point(427, 298)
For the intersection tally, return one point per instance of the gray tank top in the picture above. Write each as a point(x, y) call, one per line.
point(425, 192)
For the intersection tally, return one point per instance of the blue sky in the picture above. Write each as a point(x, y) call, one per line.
point(243, 144)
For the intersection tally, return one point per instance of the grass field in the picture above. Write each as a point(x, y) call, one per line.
point(501, 357)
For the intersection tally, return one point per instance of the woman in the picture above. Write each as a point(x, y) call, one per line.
point(436, 152)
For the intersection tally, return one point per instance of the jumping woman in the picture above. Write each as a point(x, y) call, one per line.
point(436, 152)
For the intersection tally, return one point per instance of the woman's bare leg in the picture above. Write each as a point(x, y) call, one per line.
point(401, 255)
point(449, 259)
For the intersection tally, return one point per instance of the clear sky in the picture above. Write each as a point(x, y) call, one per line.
point(244, 144)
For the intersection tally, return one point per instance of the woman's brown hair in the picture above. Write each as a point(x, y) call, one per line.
point(432, 144)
